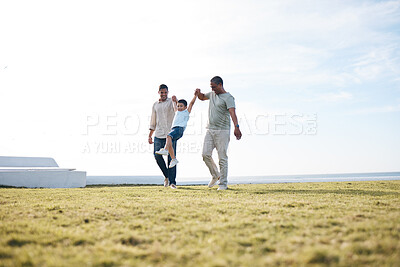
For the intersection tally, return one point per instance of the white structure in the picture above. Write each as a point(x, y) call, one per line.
point(38, 172)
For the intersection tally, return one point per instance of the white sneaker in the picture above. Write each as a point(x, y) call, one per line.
point(213, 182)
point(162, 151)
point(173, 163)
point(222, 187)
point(166, 182)
point(173, 186)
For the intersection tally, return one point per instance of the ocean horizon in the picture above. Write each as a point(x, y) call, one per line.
point(267, 179)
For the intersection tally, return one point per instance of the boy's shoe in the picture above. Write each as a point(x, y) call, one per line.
point(173, 163)
point(222, 187)
point(166, 182)
point(213, 182)
point(173, 186)
point(162, 151)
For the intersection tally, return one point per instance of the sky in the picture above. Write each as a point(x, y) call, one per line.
point(316, 83)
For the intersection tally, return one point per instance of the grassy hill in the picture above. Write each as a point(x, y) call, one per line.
point(338, 224)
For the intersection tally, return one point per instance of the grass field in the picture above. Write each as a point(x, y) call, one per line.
point(338, 224)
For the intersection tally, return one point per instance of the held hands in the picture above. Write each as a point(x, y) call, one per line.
point(197, 92)
point(174, 99)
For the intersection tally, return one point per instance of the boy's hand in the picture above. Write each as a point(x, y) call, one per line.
point(197, 92)
point(174, 99)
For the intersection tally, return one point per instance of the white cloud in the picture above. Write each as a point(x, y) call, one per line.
point(336, 97)
point(382, 109)
point(380, 61)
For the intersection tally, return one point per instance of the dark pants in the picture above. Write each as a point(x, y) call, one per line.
point(168, 173)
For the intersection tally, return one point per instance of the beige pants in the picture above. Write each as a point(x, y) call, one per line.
point(218, 139)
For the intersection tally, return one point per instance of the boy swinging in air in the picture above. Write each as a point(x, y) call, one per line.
point(179, 124)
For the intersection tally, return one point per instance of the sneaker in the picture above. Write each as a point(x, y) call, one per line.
point(173, 163)
point(222, 187)
point(173, 186)
point(166, 182)
point(213, 182)
point(162, 151)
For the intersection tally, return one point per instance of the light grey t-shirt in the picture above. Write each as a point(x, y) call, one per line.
point(218, 110)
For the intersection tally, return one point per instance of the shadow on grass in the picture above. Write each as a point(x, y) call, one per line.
point(267, 191)
point(190, 188)
point(122, 185)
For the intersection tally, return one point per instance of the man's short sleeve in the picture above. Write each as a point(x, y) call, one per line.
point(208, 95)
point(230, 102)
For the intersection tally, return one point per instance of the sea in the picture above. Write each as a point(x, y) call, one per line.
point(268, 179)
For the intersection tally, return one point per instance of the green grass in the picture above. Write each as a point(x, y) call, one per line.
point(337, 224)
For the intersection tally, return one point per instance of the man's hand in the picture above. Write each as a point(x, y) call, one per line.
point(237, 133)
point(200, 95)
point(174, 99)
point(150, 140)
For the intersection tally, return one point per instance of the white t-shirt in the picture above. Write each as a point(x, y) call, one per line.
point(181, 118)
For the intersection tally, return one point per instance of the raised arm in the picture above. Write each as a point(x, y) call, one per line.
point(200, 95)
point(175, 103)
point(236, 132)
point(192, 103)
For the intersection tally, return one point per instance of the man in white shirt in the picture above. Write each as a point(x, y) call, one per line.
point(162, 116)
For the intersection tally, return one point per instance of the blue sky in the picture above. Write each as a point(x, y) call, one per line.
point(332, 67)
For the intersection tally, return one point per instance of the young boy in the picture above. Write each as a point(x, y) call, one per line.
point(181, 118)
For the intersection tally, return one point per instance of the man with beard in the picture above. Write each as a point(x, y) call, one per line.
point(162, 116)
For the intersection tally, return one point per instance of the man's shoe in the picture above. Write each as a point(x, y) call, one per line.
point(213, 182)
point(173, 186)
point(162, 151)
point(222, 188)
point(166, 182)
point(173, 163)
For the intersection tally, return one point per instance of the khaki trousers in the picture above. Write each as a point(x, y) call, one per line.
point(218, 139)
